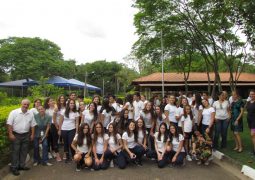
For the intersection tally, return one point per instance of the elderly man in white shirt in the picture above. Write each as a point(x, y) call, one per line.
point(20, 122)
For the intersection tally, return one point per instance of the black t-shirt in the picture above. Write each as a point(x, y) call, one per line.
point(251, 115)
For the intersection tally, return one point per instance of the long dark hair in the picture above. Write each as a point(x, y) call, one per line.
point(165, 134)
point(185, 114)
point(94, 111)
point(135, 131)
point(123, 121)
point(151, 111)
point(46, 103)
point(99, 100)
point(106, 106)
point(175, 135)
point(114, 132)
point(159, 116)
point(67, 111)
point(81, 135)
point(198, 100)
point(95, 131)
point(59, 103)
point(143, 128)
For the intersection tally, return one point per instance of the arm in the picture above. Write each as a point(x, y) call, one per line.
point(32, 133)
point(167, 117)
point(212, 120)
point(178, 151)
point(10, 132)
point(74, 146)
point(126, 148)
point(77, 124)
point(61, 119)
point(199, 117)
point(47, 130)
point(54, 118)
point(240, 116)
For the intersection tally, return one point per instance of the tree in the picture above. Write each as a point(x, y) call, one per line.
point(30, 57)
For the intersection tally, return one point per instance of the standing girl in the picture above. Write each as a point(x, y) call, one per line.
point(208, 115)
point(160, 118)
point(96, 99)
point(68, 127)
point(197, 109)
point(237, 109)
point(82, 145)
point(177, 153)
point(141, 135)
point(106, 113)
point(187, 125)
point(251, 117)
point(99, 147)
point(61, 106)
point(122, 123)
point(90, 115)
point(179, 112)
point(170, 110)
point(129, 106)
point(132, 151)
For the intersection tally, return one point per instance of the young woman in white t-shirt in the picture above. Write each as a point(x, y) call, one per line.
point(114, 152)
point(100, 144)
point(177, 153)
point(82, 145)
point(170, 110)
point(96, 99)
point(187, 126)
point(197, 109)
point(162, 148)
point(68, 127)
point(148, 116)
point(106, 113)
point(141, 134)
point(129, 106)
point(160, 118)
point(90, 115)
point(208, 115)
point(179, 112)
point(132, 151)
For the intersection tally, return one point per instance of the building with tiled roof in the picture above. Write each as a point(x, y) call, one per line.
point(198, 81)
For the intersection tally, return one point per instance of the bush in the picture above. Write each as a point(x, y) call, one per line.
point(87, 100)
point(5, 100)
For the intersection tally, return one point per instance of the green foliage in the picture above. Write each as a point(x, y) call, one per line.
point(87, 100)
point(45, 90)
point(5, 100)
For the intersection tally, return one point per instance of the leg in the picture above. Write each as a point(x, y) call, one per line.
point(23, 150)
point(96, 167)
point(224, 132)
point(15, 152)
point(179, 159)
point(36, 150)
point(152, 154)
point(163, 162)
point(253, 138)
point(217, 134)
point(239, 142)
point(55, 138)
point(45, 151)
point(121, 161)
point(65, 139)
point(71, 135)
point(139, 151)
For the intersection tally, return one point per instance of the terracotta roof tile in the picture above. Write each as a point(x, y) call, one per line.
point(193, 77)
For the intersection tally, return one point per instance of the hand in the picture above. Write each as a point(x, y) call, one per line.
point(57, 127)
point(132, 155)
point(144, 146)
point(160, 157)
point(236, 123)
point(12, 137)
point(112, 150)
point(151, 133)
point(59, 132)
point(32, 137)
point(174, 159)
point(97, 161)
point(207, 130)
point(193, 152)
point(101, 161)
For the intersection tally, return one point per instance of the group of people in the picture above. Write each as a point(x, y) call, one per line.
point(116, 133)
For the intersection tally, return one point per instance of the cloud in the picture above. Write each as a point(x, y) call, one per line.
point(91, 30)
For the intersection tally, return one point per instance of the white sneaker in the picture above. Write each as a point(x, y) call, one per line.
point(48, 164)
point(188, 158)
point(153, 159)
point(49, 156)
point(111, 164)
point(207, 163)
point(54, 155)
point(35, 164)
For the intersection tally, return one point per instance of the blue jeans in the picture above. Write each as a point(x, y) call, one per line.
point(221, 128)
point(44, 150)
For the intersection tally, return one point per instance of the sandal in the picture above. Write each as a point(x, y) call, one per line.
point(235, 149)
point(240, 150)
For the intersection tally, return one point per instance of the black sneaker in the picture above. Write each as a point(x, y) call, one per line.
point(78, 167)
point(15, 172)
point(139, 163)
point(23, 168)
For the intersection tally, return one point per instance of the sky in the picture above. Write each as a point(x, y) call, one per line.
point(85, 30)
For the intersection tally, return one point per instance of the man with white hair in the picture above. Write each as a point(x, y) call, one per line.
point(20, 122)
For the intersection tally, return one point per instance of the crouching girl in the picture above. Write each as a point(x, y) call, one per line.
point(82, 145)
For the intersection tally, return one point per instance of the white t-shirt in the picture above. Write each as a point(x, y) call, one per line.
point(98, 108)
point(34, 111)
point(207, 115)
point(195, 112)
point(230, 99)
point(171, 110)
point(130, 140)
point(210, 100)
point(138, 106)
point(112, 143)
point(100, 143)
point(130, 110)
point(140, 137)
point(59, 112)
point(179, 113)
point(221, 110)
point(117, 109)
point(187, 124)
point(189, 100)
point(158, 122)
point(176, 143)
point(160, 144)
point(50, 113)
point(84, 148)
point(107, 117)
point(69, 123)
point(147, 119)
point(88, 117)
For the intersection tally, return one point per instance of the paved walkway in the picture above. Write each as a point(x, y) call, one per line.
point(63, 171)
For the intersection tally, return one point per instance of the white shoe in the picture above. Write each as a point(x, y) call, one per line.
point(153, 159)
point(199, 163)
point(49, 156)
point(35, 164)
point(48, 164)
point(54, 155)
point(111, 164)
point(188, 158)
point(207, 163)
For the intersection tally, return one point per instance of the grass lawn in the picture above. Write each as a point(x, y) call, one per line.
point(246, 157)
